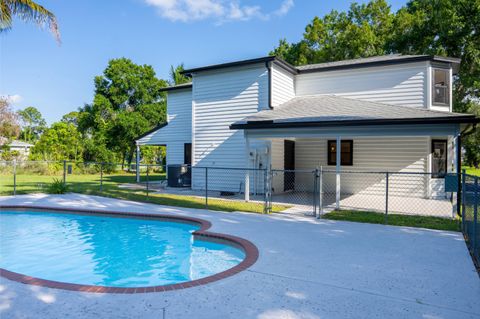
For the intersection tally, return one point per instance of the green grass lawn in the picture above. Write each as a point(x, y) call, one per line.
point(395, 219)
point(111, 187)
point(472, 170)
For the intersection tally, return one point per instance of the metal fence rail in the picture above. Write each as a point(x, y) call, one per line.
point(470, 220)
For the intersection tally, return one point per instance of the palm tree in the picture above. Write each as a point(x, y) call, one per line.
point(176, 76)
point(28, 11)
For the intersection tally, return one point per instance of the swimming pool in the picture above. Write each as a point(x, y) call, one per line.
point(93, 250)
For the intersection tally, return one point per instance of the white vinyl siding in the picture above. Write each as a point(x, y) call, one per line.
point(277, 161)
point(283, 85)
point(403, 85)
point(178, 131)
point(221, 98)
point(399, 154)
point(175, 153)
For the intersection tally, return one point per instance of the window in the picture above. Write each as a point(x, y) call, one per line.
point(346, 152)
point(187, 153)
point(439, 158)
point(441, 90)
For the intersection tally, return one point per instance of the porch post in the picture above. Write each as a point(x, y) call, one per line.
point(247, 171)
point(137, 163)
point(337, 169)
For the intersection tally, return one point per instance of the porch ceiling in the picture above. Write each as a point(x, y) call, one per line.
point(329, 110)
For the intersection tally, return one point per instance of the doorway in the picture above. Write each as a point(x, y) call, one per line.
point(289, 165)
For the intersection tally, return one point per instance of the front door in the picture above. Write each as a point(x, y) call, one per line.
point(289, 165)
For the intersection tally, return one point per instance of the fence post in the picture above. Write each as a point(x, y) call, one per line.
point(475, 217)
point(320, 193)
point(315, 187)
point(386, 197)
point(206, 187)
point(64, 172)
point(148, 181)
point(265, 196)
point(14, 177)
point(463, 200)
point(101, 177)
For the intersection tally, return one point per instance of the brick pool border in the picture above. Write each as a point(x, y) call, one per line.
point(250, 250)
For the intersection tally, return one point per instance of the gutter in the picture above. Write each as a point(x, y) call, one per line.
point(272, 124)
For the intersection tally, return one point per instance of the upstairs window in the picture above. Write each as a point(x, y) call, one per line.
point(441, 87)
point(346, 152)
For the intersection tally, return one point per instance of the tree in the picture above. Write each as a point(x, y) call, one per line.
point(33, 123)
point(471, 142)
point(128, 102)
point(9, 127)
point(363, 31)
point(28, 11)
point(438, 27)
point(71, 117)
point(61, 141)
point(176, 76)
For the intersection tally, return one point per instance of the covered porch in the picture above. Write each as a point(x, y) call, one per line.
point(389, 158)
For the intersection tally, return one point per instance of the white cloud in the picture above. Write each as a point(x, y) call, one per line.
point(12, 99)
point(286, 6)
point(219, 10)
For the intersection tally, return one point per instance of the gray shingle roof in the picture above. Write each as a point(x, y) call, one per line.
point(328, 109)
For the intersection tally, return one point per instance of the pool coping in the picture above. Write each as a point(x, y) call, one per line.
point(250, 250)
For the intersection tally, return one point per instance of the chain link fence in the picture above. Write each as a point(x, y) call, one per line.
point(312, 192)
point(470, 220)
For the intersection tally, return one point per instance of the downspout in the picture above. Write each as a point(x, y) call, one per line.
point(268, 65)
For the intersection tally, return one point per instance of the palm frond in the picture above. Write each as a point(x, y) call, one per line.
point(28, 11)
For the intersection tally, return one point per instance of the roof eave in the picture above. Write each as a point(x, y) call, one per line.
point(176, 87)
point(228, 65)
point(272, 124)
point(156, 128)
point(454, 62)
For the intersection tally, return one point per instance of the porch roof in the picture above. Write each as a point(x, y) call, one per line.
point(329, 110)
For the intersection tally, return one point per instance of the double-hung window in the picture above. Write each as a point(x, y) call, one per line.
point(441, 87)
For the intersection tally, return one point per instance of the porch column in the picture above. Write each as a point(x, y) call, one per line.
point(137, 163)
point(337, 169)
point(247, 165)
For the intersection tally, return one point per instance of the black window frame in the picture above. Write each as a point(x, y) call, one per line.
point(187, 147)
point(444, 141)
point(344, 161)
point(447, 85)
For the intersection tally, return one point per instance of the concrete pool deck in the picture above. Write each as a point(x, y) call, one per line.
point(307, 268)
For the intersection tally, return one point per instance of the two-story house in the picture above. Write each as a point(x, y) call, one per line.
point(386, 113)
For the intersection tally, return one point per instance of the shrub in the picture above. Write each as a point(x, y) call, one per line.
point(57, 187)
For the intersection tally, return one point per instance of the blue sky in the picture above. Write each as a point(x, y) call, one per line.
point(57, 79)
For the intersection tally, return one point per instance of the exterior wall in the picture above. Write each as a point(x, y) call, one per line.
point(404, 85)
point(179, 128)
point(175, 151)
point(221, 97)
point(399, 154)
point(277, 161)
point(283, 85)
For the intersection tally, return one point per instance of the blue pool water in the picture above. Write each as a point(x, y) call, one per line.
point(108, 251)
